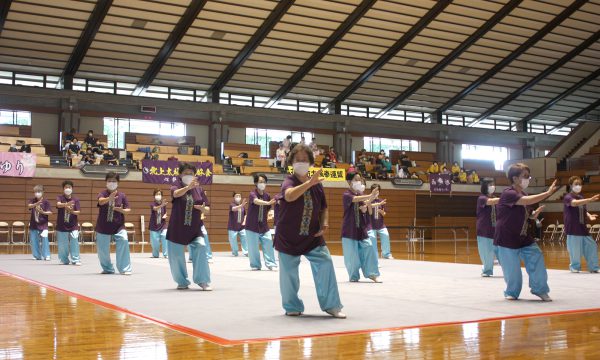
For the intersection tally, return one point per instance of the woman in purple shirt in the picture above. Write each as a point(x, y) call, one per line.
point(511, 236)
point(303, 210)
point(356, 245)
point(486, 222)
point(236, 224)
point(377, 227)
point(158, 224)
point(67, 227)
point(38, 224)
point(579, 241)
point(257, 229)
point(113, 206)
point(185, 228)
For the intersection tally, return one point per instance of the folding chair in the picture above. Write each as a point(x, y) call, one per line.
point(130, 228)
point(87, 228)
point(548, 233)
point(18, 228)
point(5, 229)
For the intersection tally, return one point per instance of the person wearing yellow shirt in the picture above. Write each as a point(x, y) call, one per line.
point(434, 168)
point(455, 168)
point(475, 177)
point(462, 176)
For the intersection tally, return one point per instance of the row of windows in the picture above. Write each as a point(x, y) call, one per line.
point(163, 92)
point(115, 129)
point(14, 117)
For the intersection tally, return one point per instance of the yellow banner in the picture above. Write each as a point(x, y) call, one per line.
point(328, 173)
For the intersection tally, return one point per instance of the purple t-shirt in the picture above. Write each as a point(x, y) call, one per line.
point(511, 221)
point(301, 218)
point(109, 221)
point(185, 223)
point(256, 220)
point(39, 221)
point(574, 216)
point(277, 208)
point(157, 222)
point(236, 218)
point(486, 217)
point(376, 219)
point(355, 223)
point(65, 221)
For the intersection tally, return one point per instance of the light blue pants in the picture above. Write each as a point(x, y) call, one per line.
point(384, 236)
point(156, 239)
point(487, 250)
point(233, 241)
point(68, 242)
point(34, 238)
point(359, 254)
point(201, 270)
point(323, 275)
point(582, 245)
point(266, 242)
point(510, 261)
point(123, 258)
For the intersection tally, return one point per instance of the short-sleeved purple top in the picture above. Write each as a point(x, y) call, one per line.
point(109, 221)
point(39, 221)
point(256, 220)
point(157, 222)
point(65, 221)
point(574, 216)
point(236, 218)
point(511, 221)
point(486, 217)
point(185, 223)
point(355, 223)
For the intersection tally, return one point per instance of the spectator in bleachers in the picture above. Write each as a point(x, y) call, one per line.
point(112, 207)
point(326, 163)
point(257, 228)
point(486, 223)
point(405, 160)
point(280, 156)
point(434, 168)
point(579, 241)
point(90, 139)
point(333, 156)
point(513, 241)
point(287, 144)
point(462, 176)
point(70, 135)
point(455, 169)
point(67, 227)
point(38, 224)
point(189, 201)
point(444, 170)
point(303, 210)
point(236, 224)
point(351, 169)
point(158, 224)
point(357, 248)
point(377, 212)
point(475, 177)
point(363, 157)
point(89, 158)
point(109, 158)
point(314, 147)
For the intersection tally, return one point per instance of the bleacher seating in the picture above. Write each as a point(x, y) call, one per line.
point(252, 164)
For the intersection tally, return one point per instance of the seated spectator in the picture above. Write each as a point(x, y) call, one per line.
point(433, 168)
point(155, 152)
point(404, 160)
point(314, 147)
point(89, 158)
point(73, 149)
point(363, 157)
point(280, 156)
point(351, 169)
point(90, 139)
point(326, 163)
point(109, 158)
point(332, 155)
point(70, 135)
point(475, 177)
point(444, 170)
point(455, 168)
point(287, 144)
point(462, 176)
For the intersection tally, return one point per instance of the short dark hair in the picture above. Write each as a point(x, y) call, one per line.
point(351, 176)
point(156, 191)
point(375, 186)
point(67, 182)
point(90, 131)
point(485, 185)
point(298, 148)
point(572, 179)
point(258, 176)
point(112, 175)
point(516, 170)
point(236, 192)
point(185, 166)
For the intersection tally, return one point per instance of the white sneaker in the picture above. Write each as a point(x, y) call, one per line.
point(486, 275)
point(205, 287)
point(182, 287)
point(336, 313)
point(293, 313)
point(544, 297)
point(78, 263)
point(126, 273)
point(47, 258)
point(375, 279)
point(389, 257)
point(508, 297)
point(574, 271)
point(353, 280)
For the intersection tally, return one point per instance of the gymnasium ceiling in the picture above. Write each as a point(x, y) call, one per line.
point(498, 60)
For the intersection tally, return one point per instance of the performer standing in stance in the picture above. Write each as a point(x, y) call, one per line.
point(579, 241)
point(511, 236)
point(67, 228)
point(303, 210)
point(236, 223)
point(185, 228)
point(356, 245)
point(38, 224)
point(113, 206)
point(257, 228)
point(158, 224)
point(486, 222)
point(377, 212)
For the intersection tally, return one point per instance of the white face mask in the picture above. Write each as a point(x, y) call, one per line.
point(158, 198)
point(301, 168)
point(238, 199)
point(491, 189)
point(576, 189)
point(524, 183)
point(112, 186)
point(68, 191)
point(187, 179)
point(38, 195)
point(358, 186)
point(261, 186)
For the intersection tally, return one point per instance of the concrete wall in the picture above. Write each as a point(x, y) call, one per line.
point(200, 132)
point(427, 146)
point(91, 123)
point(45, 127)
point(237, 135)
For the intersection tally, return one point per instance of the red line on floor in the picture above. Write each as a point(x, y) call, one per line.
point(222, 341)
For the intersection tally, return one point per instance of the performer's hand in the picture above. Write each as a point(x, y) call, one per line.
point(316, 178)
point(553, 187)
point(595, 197)
point(324, 228)
point(593, 217)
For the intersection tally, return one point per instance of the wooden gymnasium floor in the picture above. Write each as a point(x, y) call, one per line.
point(37, 323)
